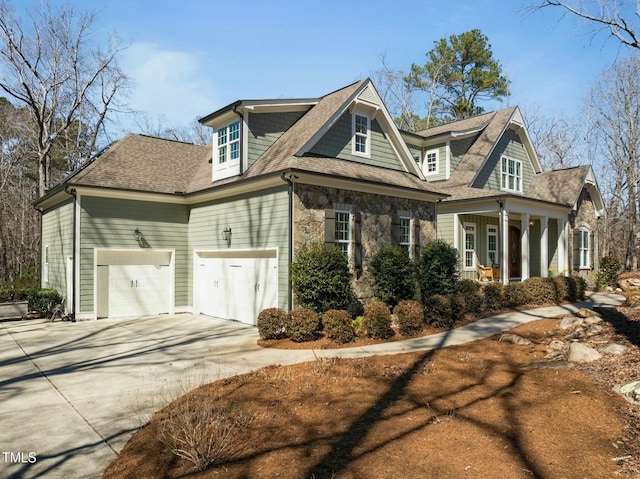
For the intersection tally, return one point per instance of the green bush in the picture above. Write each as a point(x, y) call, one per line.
point(494, 297)
point(609, 267)
point(321, 279)
point(517, 294)
point(358, 325)
point(392, 274)
point(581, 287)
point(438, 311)
point(301, 324)
point(337, 324)
point(473, 296)
point(410, 316)
point(540, 290)
point(42, 301)
point(377, 320)
point(437, 270)
point(272, 323)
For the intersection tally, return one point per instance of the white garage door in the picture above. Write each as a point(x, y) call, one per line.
point(133, 284)
point(237, 287)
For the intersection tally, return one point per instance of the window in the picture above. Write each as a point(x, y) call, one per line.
point(469, 246)
point(511, 174)
point(229, 142)
point(45, 270)
point(431, 162)
point(343, 231)
point(585, 250)
point(361, 135)
point(492, 245)
point(405, 233)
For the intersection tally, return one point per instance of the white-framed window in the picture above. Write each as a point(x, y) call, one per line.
point(585, 248)
point(361, 141)
point(492, 244)
point(511, 174)
point(405, 234)
point(343, 231)
point(228, 142)
point(469, 246)
point(431, 162)
point(45, 264)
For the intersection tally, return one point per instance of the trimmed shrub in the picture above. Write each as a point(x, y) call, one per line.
point(272, 323)
point(321, 279)
point(438, 311)
point(471, 291)
point(437, 270)
point(42, 301)
point(410, 316)
point(581, 287)
point(517, 294)
point(494, 297)
point(540, 290)
point(392, 273)
point(358, 325)
point(565, 289)
point(301, 324)
point(609, 267)
point(377, 320)
point(337, 324)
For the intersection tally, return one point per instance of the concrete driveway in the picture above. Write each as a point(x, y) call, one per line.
point(71, 394)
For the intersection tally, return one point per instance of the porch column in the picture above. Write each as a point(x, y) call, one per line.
point(504, 246)
point(544, 246)
point(563, 264)
point(524, 246)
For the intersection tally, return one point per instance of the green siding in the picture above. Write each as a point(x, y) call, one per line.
point(553, 245)
point(445, 228)
point(511, 146)
point(110, 223)
point(57, 234)
point(265, 129)
point(482, 255)
point(458, 150)
point(442, 162)
point(257, 220)
point(336, 143)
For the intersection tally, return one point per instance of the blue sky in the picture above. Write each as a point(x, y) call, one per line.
point(190, 58)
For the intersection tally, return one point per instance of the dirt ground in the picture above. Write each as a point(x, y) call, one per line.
point(488, 409)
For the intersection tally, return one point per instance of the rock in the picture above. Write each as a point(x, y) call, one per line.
point(576, 335)
point(631, 390)
point(629, 283)
point(581, 353)
point(514, 338)
point(592, 320)
point(614, 348)
point(570, 322)
point(594, 330)
point(557, 345)
point(586, 313)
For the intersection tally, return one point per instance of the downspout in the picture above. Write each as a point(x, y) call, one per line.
point(72, 192)
point(290, 240)
point(435, 218)
point(235, 110)
point(41, 211)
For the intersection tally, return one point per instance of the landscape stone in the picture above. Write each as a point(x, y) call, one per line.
point(586, 313)
point(631, 390)
point(594, 330)
point(514, 338)
point(570, 322)
point(614, 348)
point(592, 320)
point(557, 345)
point(581, 353)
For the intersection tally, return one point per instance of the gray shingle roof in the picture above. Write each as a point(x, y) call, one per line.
point(559, 186)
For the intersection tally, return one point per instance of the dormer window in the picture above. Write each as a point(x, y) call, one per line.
point(226, 141)
point(361, 141)
point(431, 162)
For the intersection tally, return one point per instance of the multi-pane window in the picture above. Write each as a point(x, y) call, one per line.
point(343, 231)
point(361, 140)
point(585, 250)
point(405, 233)
point(511, 174)
point(469, 245)
point(492, 244)
point(431, 162)
point(45, 272)
point(229, 142)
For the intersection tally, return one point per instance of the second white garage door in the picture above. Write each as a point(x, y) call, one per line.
point(237, 285)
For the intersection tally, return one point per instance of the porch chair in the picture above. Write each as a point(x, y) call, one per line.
point(485, 273)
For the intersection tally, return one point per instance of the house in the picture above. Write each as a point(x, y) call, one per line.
point(153, 226)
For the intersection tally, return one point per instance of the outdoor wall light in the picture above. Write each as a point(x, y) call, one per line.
point(226, 235)
point(137, 235)
point(532, 222)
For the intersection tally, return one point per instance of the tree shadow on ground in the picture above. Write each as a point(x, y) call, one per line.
point(625, 321)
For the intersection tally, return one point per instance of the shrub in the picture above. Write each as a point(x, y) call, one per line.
point(517, 294)
point(337, 325)
point(410, 316)
point(321, 279)
point(438, 311)
point(301, 324)
point(609, 267)
point(581, 287)
point(472, 293)
point(540, 290)
point(358, 325)
point(494, 297)
point(272, 323)
point(377, 320)
point(392, 273)
point(437, 269)
point(42, 301)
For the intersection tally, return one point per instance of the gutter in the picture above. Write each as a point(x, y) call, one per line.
point(235, 110)
point(290, 237)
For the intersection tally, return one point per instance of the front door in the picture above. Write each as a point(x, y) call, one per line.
point(515, 252)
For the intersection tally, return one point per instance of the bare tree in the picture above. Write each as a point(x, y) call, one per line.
point(620, 17)
point(557, 140)
point(194, 132)
point(66, 84)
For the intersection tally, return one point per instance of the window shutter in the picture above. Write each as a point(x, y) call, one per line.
point(416, 238)
point(592, 249)
point(395, 229)
point(357, 240)
point(329, 226)
point(576, 250)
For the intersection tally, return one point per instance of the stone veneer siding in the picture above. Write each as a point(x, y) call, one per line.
point(585, 215)
point(376, 213)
